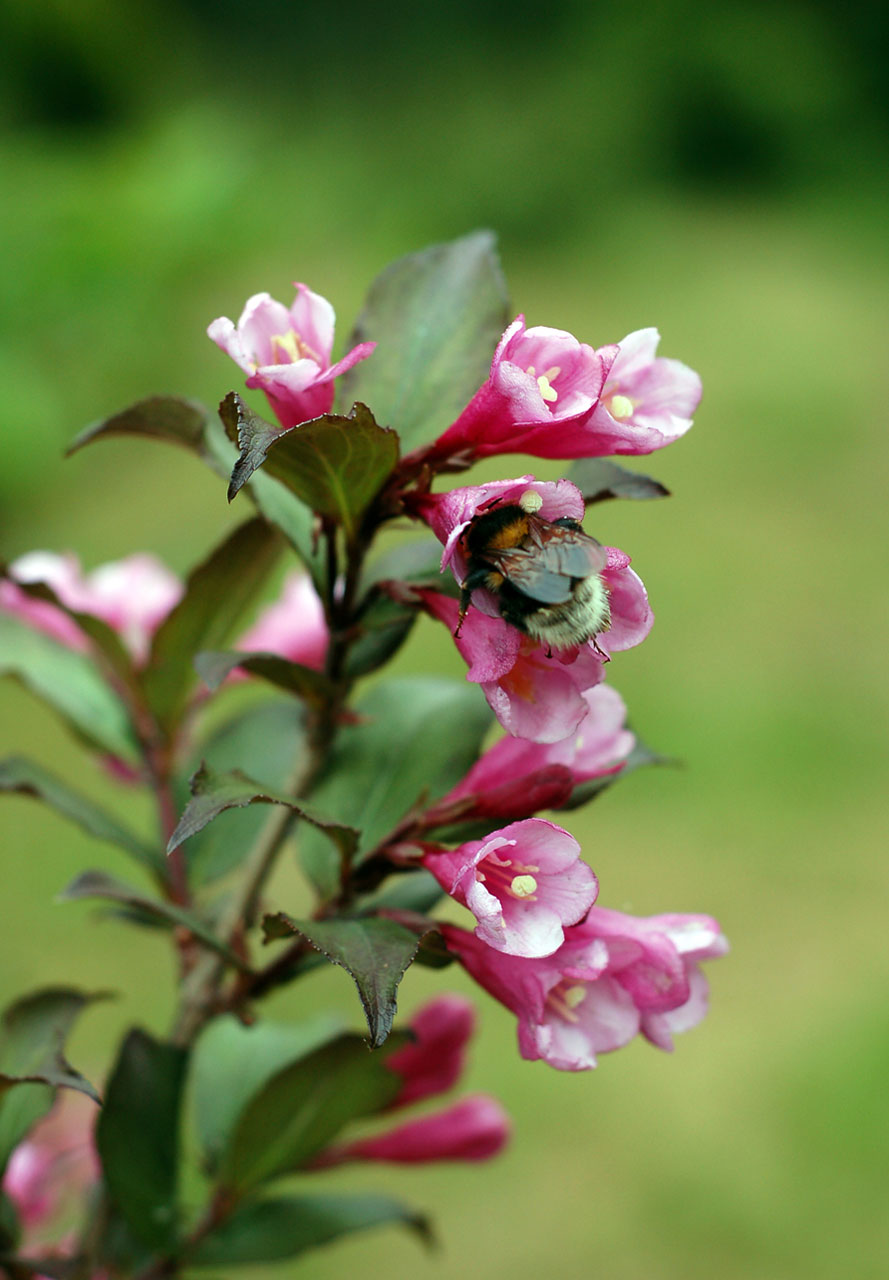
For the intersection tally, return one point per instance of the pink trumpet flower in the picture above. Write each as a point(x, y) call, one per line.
point(523, 884)
point(286, 353)
point(614, 976)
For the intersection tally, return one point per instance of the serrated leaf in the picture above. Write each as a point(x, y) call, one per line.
point(24, 777)
point(270, 737)
point(376, 952)
point(282, 1227)
point(216, 595)
point(302, 1108)
point(32, 1062)
point(599, 478)
point(138, 1136)
point(232, 1062)
point(312, 686)
point(70, 684)
point(170, 418)
point(277, 504)
point(213, 793)
point(436, 317)
point(335, 464)
point(415, 736)
point(96, 884)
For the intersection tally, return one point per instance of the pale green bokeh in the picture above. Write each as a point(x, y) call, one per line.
point(755, 1149)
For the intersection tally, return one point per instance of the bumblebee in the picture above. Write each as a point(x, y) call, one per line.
point(544, 574)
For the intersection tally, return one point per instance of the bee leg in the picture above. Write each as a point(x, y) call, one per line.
point(465, 600)
point(606, 657)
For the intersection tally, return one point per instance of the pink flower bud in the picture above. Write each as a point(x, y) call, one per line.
point(476, 1128)
point(433, 1062)
point(286, 353)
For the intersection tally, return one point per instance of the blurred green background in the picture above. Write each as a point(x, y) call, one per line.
point(719, 170)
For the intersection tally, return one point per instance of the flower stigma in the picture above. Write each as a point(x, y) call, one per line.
point(523, 886)
point(620, 407)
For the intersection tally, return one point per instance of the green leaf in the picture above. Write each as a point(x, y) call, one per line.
point(69, 683)
point(32, 1063)
point(184, 422)
point(384, 625)
point(271, 737)
point(375, 951)
point(213, 793)
point(282, 1227)
point(138, 1136)
point(418, 892)
point(232, 1062)
point(170, 418)
point(436, 317)
point(415, 738)
point(302, 1108)
point(24, 777)
point(96, 884)
point(276, 503)
point(598, 479)
point(335, 464)
point(306, 683)
point(216, 595)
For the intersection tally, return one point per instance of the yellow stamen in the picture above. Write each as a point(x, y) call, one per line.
point(289, 347)
point(564, 1000)
point(523, 886)
point(621, 407)
point(549, 393)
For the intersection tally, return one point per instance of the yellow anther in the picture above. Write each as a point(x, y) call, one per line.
point(573, 996)
point(549, 393)
point(620, 407)
point(523, 886)
point(286, 347)
point(531, 501)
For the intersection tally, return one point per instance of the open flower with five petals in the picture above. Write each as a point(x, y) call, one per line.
point(286, 352)
point(647, 401)
point(523, 883)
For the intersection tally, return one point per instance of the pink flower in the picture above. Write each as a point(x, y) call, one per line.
point(434, 1061)
point(132, 595)
point(57, 1161)
point(293, 626)
point(614, 976)
point(538, 399)
point(534, 690)
point(523, 884)
point(476, 1128)
point(287, 353)
point(647, 401)
point(517, 777)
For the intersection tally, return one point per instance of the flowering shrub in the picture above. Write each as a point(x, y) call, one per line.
point(394, 792)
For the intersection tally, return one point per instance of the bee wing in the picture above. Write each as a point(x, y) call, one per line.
point(527, 572)
point(568, 551)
